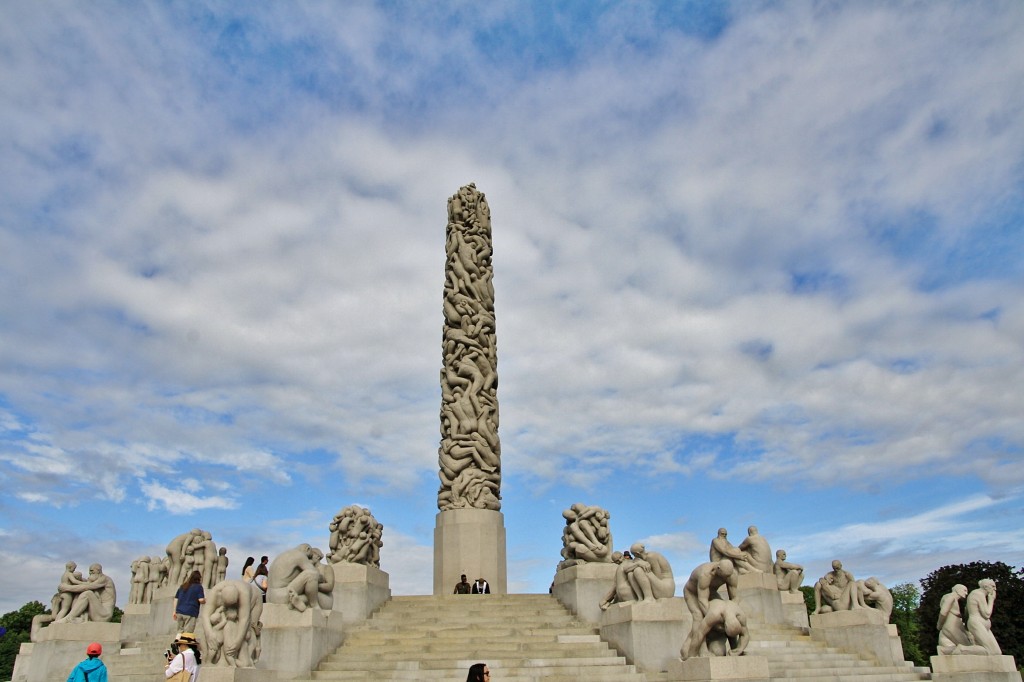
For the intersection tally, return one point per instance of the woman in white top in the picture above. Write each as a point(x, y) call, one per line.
point(187, 658)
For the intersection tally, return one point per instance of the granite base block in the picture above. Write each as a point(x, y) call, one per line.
point(745, 668)
point(648, 634)
point(583, 587)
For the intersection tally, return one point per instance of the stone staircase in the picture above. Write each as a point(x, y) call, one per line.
point(138, 661)
point(522, 638)
point(793, 655)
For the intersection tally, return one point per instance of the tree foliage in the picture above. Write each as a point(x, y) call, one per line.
point(1007, 625)
point(906, 599)
point(17, 627)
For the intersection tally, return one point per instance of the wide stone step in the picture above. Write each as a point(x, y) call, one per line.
point(493, 650)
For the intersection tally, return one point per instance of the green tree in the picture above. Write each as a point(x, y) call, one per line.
point(906, 599)
point(808, 598)
point(17, 627)
point(1007, 625)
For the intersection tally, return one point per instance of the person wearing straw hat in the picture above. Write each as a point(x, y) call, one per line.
point(184, 664)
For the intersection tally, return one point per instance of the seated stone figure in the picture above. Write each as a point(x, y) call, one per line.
point(651, 575)
point(231, 622)
point(622, 591)
point(94, 598)
point(788, 576)
point(721, 548)
point(586, 536)
point(837, 590)
point(721, 632)
point(757, 547)
point(60, 604)
point(980, 603)
point(295, 578)
point(875, 595)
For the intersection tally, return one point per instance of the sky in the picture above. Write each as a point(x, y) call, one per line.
point(754, 263)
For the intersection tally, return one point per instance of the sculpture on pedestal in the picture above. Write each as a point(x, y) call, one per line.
point(93, 598)
point(586, 536)
point(837, 590)
point(758, 549)
point(721, 632)
point(953, 635)
point(355, 537)
point(191, 551)
point(721, 548)
point(60, 604)
point(299, 579)
point(470, 453)
point(980, 603)
point(788, 576)
point(231, 623)
point(140, 578)
point(876, 595)
point(702, 587)
point(646, 576)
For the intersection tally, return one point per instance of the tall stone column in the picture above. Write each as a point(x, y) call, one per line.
point(470, 533)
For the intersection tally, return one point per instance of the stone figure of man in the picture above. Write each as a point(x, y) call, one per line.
point(95, 598)
point(837, 590)
point(722, 632)
point(788, 576)
point(979, 616)
point(757, 547)
point(703, 585)
point(651, 576)
point(721, 548)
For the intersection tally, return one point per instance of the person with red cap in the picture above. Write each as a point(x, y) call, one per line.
point(92, 668)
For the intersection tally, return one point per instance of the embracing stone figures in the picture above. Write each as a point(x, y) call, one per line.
point(356, 537)
point(470, 454)
point(586, 536)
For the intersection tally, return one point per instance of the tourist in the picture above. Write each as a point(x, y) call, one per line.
point(479, 672)
point(248, 573)
point(92, 668)
point(462, 587)
point(187, 600)
point(481, 587)
point(184, 657)
point(260, 579)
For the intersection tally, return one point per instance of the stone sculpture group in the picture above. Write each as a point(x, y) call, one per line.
point(355, 537)
point(586, 536)
point(976, 637)
point(469, 457)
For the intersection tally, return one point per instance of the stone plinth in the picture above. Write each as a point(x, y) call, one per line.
point(294, 643)
point(794, 609)
point(973, 668)
point(147, 620)
point(470, 541)
point(758, 595)
point(746, 668)
point(359, 590)
point(59, 647)
point(583, 587)
point(862, 630)
point(648, 634)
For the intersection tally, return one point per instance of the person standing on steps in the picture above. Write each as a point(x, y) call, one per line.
point(479, 672)
point(481, 587)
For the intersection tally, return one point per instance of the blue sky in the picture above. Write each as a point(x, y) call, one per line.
point(755, 263)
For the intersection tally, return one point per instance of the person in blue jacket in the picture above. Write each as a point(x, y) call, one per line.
point(92, 668)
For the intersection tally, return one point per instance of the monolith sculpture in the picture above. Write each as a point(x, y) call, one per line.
point(470, 533)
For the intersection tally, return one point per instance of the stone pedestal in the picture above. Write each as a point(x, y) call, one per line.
point(746, 668)
point(794, 609)
point(583, 587)
point(294, 643)
point(359, 590)
point(648, 634)
point(148, 620)
point(862, 630)
point(212, 673)
point(971, 668)
point(758, 595)
point(470, 541)
point(59, 647)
